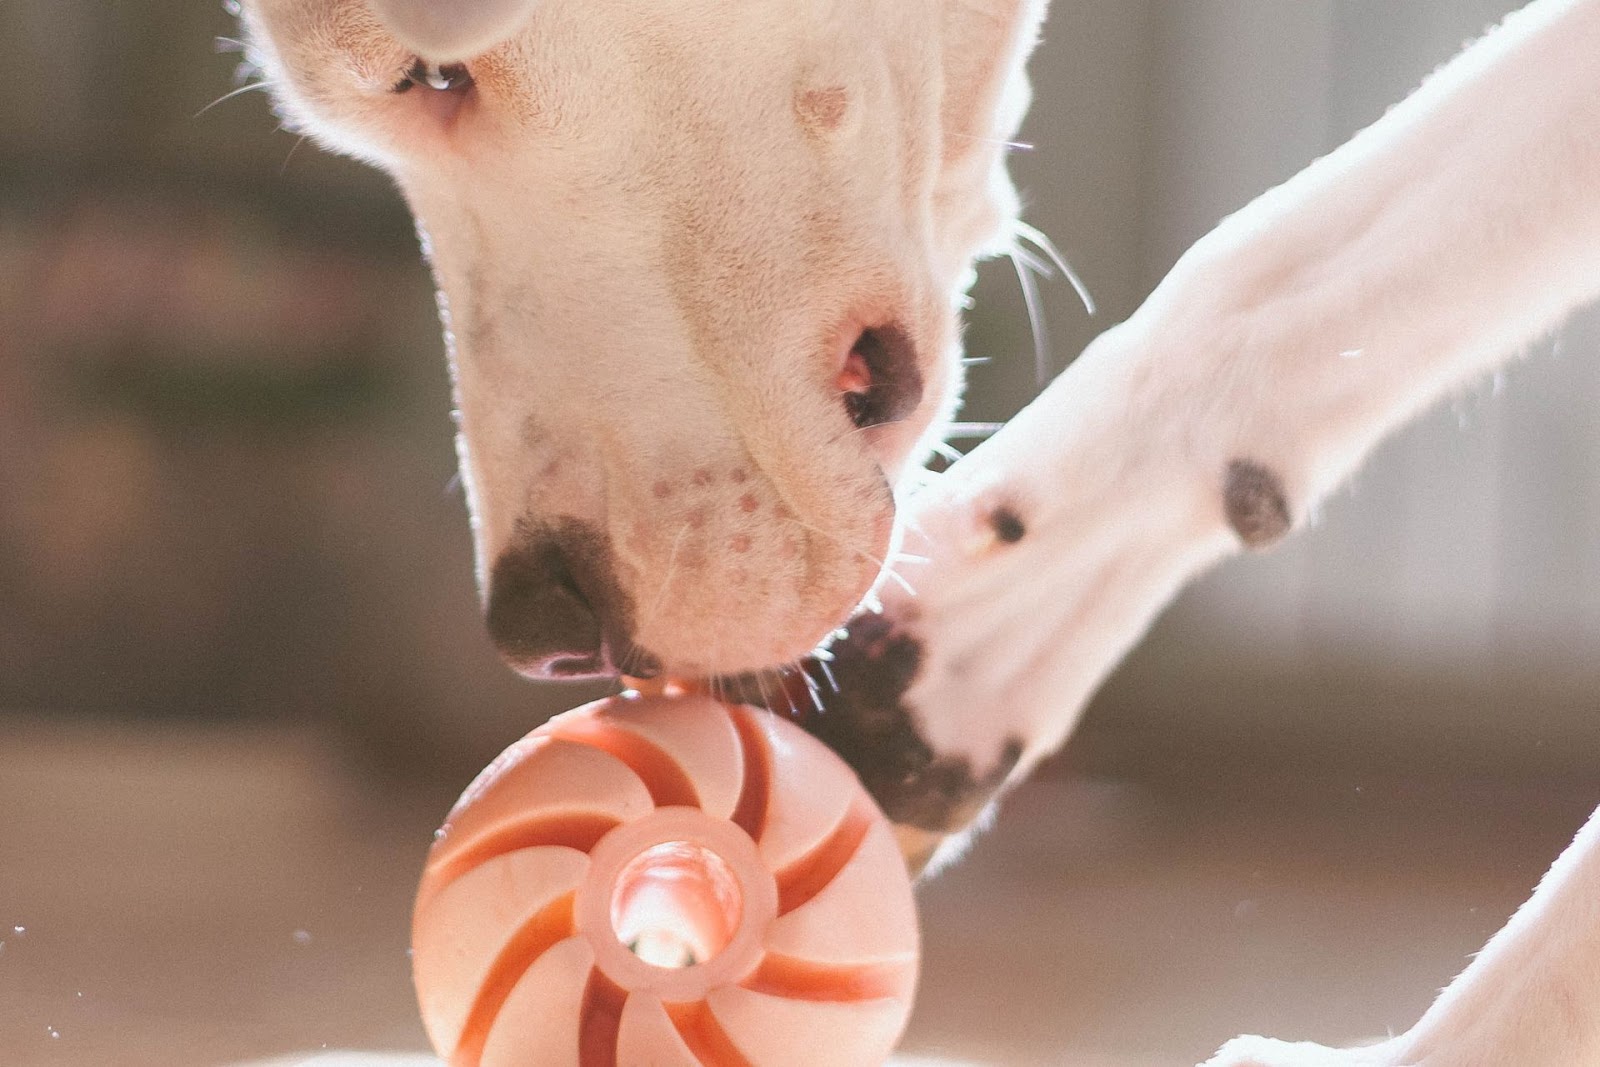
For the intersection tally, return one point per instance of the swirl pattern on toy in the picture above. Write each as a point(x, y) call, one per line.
point(665, 881)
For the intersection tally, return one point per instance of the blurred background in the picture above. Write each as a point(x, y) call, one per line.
point(242, 672)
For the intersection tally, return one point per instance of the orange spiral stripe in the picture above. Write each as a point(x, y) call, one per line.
point(599, 1020)
point(577, 830)
point(750, 814)
point(548, 925)
point(662, 776)
point(812, 873)
point(705, 1036)
point(795, 979)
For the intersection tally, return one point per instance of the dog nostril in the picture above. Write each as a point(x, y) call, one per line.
point(540, 619)
point(880, 381)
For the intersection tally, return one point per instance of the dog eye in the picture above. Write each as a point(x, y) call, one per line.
point(880, 382)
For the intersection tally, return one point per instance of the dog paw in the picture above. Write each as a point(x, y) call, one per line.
point(1253, 1051)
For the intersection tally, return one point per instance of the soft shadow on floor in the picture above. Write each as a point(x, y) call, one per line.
point(207, 897)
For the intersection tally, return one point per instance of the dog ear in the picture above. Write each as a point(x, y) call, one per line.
point(986, 43)
point(444, 31)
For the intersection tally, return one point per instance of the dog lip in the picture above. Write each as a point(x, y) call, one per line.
point(573, 668)
point(635, 661)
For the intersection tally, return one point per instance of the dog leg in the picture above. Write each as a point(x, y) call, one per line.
point(1278, 351)
point(1529, 999)
point(1267, 364)
point(1261, 371)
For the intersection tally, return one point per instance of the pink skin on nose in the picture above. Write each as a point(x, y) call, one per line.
point(855, 377)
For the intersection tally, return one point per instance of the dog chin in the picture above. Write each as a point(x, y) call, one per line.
point(729, 642)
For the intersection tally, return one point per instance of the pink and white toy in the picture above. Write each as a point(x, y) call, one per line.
point(669, 881)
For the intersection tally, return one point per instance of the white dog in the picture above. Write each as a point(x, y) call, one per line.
point(701, 263)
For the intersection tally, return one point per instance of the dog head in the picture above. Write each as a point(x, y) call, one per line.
point(699, 264)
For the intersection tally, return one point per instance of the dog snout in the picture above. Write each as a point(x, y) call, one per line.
point(555, 611)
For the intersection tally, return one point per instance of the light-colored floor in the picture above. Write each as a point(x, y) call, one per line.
point(189, 897)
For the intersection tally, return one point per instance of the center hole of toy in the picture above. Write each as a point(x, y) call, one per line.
point(676, 904)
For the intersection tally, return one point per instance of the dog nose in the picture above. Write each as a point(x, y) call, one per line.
point(553, 612)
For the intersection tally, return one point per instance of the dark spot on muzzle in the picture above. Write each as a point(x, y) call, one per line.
point(555, 609)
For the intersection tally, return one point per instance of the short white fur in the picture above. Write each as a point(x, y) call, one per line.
point(1459, 226)
point(655, 227)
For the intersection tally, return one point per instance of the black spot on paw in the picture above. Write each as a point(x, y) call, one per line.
point(1008, 526)
point(1255, 503)
point(867, 722)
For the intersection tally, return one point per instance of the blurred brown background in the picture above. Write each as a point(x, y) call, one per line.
point(242, 671)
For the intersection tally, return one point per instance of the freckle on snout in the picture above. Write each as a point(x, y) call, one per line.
point(739, 543)
point(661, 490)
point(821, 110)
point(703, 477)
point(748, 503)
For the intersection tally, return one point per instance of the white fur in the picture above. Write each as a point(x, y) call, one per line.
point(1294, 336)
point(625, 230)
point(655, 242)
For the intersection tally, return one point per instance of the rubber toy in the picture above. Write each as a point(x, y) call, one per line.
point(664, 880)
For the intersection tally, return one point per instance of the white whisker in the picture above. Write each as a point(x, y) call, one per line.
point(863, 429)
point(910, 519)
point(827, 672)
point(1043, 243)
point(666, 581)
point(1012, 146)
point(900, 580)
point(1039, 266)
point(883, 566)
point(292, 149)
point(811, 687)
point(1030, 298)
point(783, 688)
point(789, 708)
point(836, 539)
point(230, 95)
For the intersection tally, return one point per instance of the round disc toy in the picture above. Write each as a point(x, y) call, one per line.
point(665, 881)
